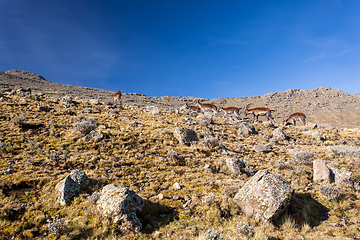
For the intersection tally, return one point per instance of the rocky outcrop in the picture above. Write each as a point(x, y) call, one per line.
point(121, 204)
point(264, 196)
point(185, 136)
point(70, 186)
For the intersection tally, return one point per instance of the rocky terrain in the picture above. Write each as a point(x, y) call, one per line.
point(75, 166)
point(322, 105)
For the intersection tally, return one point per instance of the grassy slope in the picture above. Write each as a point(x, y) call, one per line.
point(137, 157)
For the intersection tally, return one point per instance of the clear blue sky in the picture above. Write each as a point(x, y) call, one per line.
point(207, 49)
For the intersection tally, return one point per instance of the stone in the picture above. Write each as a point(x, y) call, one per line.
point(70, 186)
point(185, 136)
point(339, 176)
point(321, 171)
point(238, 166)
point(245, 129)
point(210, 169)
point(176, 186)
point(93, 136)
point(279, 134)
point(345, 150)
point(121, 204)
point(264, 196)
point(263, 148)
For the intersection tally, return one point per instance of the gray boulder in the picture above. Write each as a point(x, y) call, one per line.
point(279, 134)
point(321, 171)
point(121, 204)
point(264, 196)
point(245, 129)
point(185, 136)
point(70, 186)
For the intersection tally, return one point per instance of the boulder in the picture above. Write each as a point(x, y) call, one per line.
point(185, 136)
point(70, 186)
point(238, 166)
point(121, 204)
point(279, 134)
point(245, 129)
point(264, 196)
point(321, 171)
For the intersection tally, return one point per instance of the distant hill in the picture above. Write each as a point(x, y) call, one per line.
point(322, 105)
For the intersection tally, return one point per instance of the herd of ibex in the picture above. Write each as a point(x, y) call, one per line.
point(256, 112)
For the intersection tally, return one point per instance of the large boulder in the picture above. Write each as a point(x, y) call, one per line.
point(121, 204)
point(185, 136)
point(264, 196)
point(70, 186)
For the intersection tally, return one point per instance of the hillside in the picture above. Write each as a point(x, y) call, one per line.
point(322, 105)
point(73, 168)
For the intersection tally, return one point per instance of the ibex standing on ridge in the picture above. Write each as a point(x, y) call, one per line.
point(117, 97)
point(259, 111)
point(295, 116)
point(194, 108)
point(230, 110)
point(207, 106)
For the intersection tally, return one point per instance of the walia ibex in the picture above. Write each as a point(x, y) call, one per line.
point(259, 111)
point(295, 116)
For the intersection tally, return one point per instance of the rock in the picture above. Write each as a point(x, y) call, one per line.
point(321, 171)
point(238, 166)
point(185, 136)
point(93, 136)
point(176, 186)
point(121, 204)
point(345, 150)
point(268, 124)
point(69, 187)
point(94, 102)
point(315, 134)
point(263, 148)
point(210, 169)
point(264, 196)
point(340, 175)
point(279, 134)
point(311, 125)
point(245, 129)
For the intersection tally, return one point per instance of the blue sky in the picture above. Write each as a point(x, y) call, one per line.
point(206, 49)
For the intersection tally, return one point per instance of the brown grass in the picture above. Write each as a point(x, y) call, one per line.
point(137, 157)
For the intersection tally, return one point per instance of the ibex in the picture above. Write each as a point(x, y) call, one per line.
point(230, 110)
point(259, 111)
point(207, 106)
point(295, 116)
point(194, 108)
point(117, 97)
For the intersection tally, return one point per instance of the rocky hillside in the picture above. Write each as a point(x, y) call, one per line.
point(322, 105)
point(72, 168)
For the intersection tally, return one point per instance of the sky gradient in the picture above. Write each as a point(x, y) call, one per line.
point(207, 49)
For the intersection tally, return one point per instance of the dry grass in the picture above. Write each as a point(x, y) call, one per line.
point(45, 146)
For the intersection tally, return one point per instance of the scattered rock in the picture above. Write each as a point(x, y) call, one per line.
point(190, 121)
point(69, 187)
point(263, 148)
point(121, 204)
point(185, 136)
point(345, 150)
point(265, 196)
point(244, 129)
